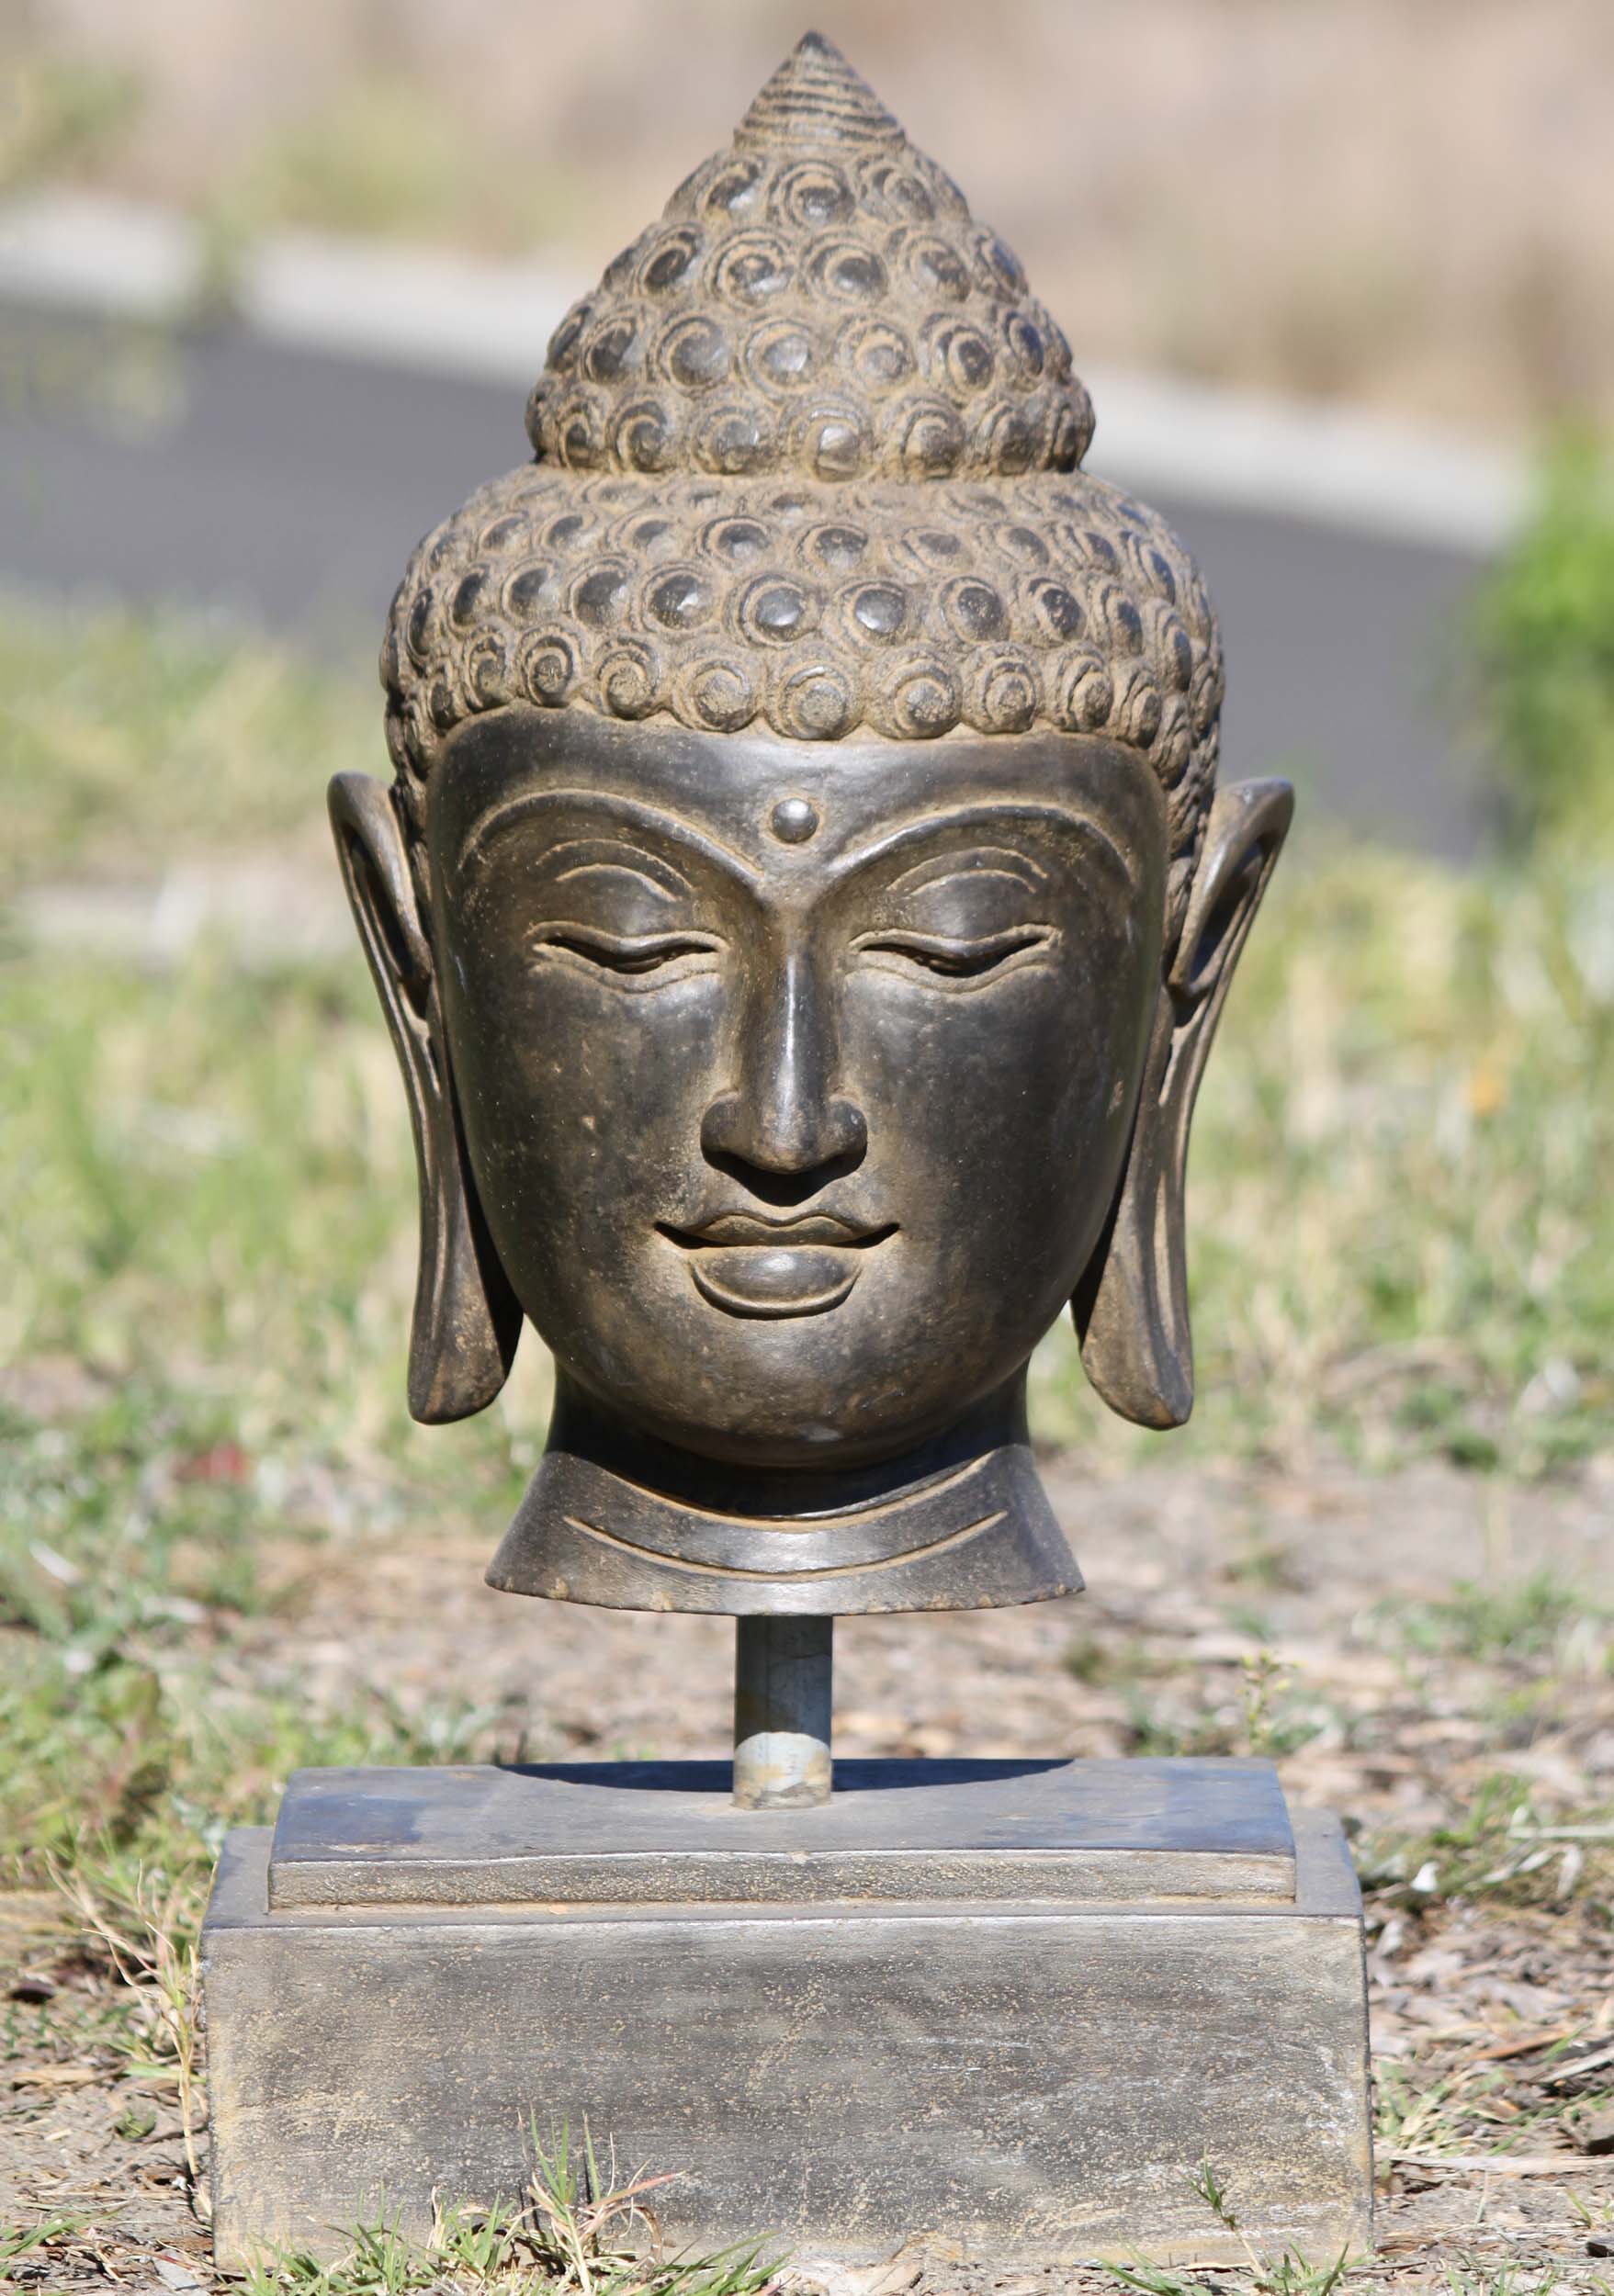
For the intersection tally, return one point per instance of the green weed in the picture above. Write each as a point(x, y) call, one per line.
point(127, 1763)
point(1270, 1714)
point(1100, 1660)
point(1500, 1850)
point(1281, 2276)
point(1287, 2275)
point(22, 2240)
point(1474, 2111)
point(1273, 1724)
point(1266, 1564)
point(1545, 655)
point(1519, 1621)
point(580, 2229)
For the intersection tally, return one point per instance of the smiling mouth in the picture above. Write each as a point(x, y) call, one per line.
point(772, 1268)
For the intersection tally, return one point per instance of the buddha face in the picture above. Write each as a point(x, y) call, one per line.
point(794, 1081)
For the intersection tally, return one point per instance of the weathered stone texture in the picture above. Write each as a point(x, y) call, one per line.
point(1036, 2080)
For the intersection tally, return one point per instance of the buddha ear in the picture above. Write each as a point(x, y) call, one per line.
point(1130, 1308)
point(467, 1319)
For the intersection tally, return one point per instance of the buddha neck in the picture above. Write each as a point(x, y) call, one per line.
point(615, 1517)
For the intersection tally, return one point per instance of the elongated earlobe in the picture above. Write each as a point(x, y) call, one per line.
point(467, 1319)
point(1130, 1308)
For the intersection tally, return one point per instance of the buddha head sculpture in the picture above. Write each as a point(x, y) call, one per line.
point(804, 905)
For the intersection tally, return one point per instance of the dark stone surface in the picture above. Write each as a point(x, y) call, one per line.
point(587, 1832)
point(1038, 2083)
point(805, 900)
point(802, 910)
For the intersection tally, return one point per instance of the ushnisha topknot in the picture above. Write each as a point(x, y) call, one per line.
point(818, 303)
point(810, 456)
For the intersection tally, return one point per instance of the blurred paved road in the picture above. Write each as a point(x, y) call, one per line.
point(288, 486)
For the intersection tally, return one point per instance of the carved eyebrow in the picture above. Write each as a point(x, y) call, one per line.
point(995, 818)
point(998, 863)
point(658, 877)
point(617, 812)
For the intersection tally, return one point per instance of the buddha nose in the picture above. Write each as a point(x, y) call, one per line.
point(783, 1122)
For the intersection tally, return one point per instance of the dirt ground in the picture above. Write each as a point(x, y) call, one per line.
point(1492, 2011)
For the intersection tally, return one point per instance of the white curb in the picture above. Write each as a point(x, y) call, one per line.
point(1334, 465)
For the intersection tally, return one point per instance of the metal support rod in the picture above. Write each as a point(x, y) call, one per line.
point(783, 1692)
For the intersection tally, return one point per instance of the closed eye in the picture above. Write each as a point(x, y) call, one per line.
point(624, 952)
point(953, 959)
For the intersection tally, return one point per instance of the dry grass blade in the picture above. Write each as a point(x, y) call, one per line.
point(163, 1969)
point(591, 2219)
point(1570, 2069)
point(1501, 2163)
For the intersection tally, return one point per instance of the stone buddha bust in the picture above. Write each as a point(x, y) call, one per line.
point(804, 904)
point(802, 910)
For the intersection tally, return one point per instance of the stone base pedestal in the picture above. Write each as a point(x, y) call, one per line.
point(1014, 2004)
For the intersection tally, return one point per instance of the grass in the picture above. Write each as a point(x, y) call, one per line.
point(1267, 1716)
point(1500, 1850)
point(1388, 1246)
point(122, 1582)
point(383, 157)
point(1466, 2114)
point(1376, 1115)
point(1545, 656)
point(205, 1285)
point(1287, 2275)
point(1480, 1622)
point(582, 2229)
point(151, 1942)
point(128, 739)
point(212, 1165)
point(61, 114)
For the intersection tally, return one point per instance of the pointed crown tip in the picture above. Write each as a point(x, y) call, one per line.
point(815, 97)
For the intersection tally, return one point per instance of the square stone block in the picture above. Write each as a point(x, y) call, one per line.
point(1014, 2004)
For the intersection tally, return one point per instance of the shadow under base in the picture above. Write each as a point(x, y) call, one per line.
point(1015, 2005)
